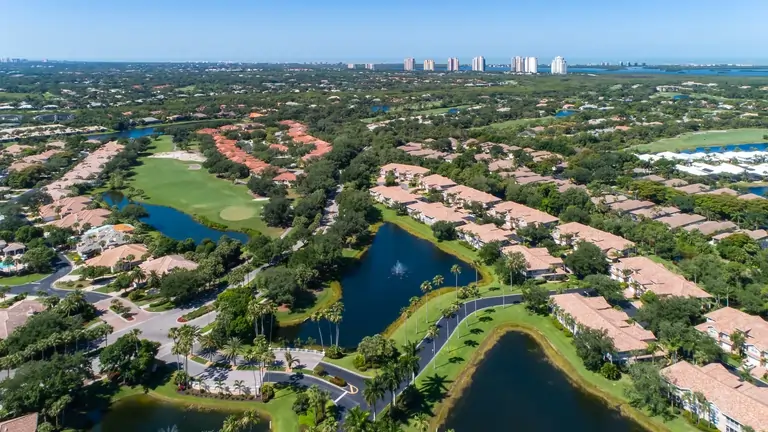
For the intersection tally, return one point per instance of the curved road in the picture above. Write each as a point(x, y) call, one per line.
point(425, 347)
point(62, 267)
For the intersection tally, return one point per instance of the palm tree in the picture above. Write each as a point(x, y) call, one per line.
point(4, 290)
point(254, 313)
point(409, 359)
point(218, 385)
point(137, 275)
point(432, 333)
point(253, 355)
point(232, 349)
point(474, 293)
point(356, 420)
point(422, 422)
point(318, 399)
point(426, 287)
point(174, 335)
point(231, 424)
point(239, 385)
point(413, 304)
point(476, 264)
point(153, 280)
point(270, 309)
point(172, 428)
point(405, 312)
point(336, 316)
point(455, 308)
point(456, 270)
point(268, 358)
point(447, 314)
point(209, 344)
point(188, 335)
point(290, 360)
point(391, 377)
point(317, 317)
point(250, 419)
point(373, 391)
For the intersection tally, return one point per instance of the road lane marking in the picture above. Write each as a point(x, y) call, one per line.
point(339, 398)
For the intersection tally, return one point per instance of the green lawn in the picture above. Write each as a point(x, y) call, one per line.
point(705, 139)
point(171, 183)
point(434, 111)
point(330, 294)
point(556, 343)
point(21, 280)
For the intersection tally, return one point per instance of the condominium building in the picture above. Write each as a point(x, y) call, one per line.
point(559, 66)
point(429, 65)
point(573, 232)
point(350, 65)
point(478, 64)
point(531, 65)
point(370, 66)
point(409, 64)
point(641, 274)
point(518, 65)
point(453, 64)
point(723, 323)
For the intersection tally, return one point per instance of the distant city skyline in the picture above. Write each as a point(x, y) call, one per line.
point(591, 31)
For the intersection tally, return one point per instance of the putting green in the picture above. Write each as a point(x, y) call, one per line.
point(237, 213)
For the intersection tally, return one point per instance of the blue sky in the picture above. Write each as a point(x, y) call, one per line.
point(387, 30)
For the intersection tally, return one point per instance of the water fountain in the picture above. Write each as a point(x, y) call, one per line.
point(399, 269)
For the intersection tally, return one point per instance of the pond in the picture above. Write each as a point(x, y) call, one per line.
point(128, 133)
point(380, 283)
point(564, 113)
point(516, 388)
point(145, 413)
point(173, 223)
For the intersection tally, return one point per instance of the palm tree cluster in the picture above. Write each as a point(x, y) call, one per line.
point(257, 310)
point(184, 339)
point(332, 315)
point(241, 423)
point(391, 376)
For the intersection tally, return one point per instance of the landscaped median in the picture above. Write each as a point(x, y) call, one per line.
point(558, 347)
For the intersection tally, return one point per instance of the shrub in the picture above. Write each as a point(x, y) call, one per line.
point(267, 392)
point(197, 313)
point(557, 323)
point(339, 381)
point(610, 371)
point(334, 352)
point(301, 404)
point(359, 362)
point(701, 424)
point(158, 303)
point(319, 370)
point(135, 295)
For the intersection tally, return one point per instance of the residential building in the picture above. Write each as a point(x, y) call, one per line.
point(63, 207)
point(693, 188)
point(559, 66)
point(628, 205)
point(641, 274)
point(760, 236)
point(436, 182)
point(517, 65)
point(14, 249)
point(575, 312)
point(465, 195)
point(539, 263)
point(709, 228)
point(370, 66)
point(350, 65)
point(429, 65)
point(429, 213)
point(83, 220)
point(403, 172)
point(531, 65)
point(18, 314)
point(409, 64)
point(519, 216)
point(453, 64)
point(25, 423)
point(166, 264)
point(723, 323)
point(287, 178)
point(393, 195)
point(680, 220)
point(120, 258)
point(84, 172)
point(653, 212)
point(102, 238)
point(478, 64)
point(733, 404)
point(480, 235)
point(573, 232)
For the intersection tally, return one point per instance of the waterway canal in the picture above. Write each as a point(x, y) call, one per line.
point(515, 388)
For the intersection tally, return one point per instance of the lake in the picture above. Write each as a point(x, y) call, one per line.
point(128, 133)
point(384, 280)
point(515, 388)
point(144, 413)
point(173, 223)
point(730, 147)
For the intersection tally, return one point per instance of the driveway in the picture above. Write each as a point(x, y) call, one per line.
point(62, 267)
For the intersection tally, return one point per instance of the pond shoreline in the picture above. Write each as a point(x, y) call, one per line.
point(464, 379)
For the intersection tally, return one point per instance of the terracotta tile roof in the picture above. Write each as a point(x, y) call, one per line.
point(681, 220)
point(655, 277)
point(693, 188)
point(629, 205)
point(16, 315)
point(486, 233)
point(596, 313)
point(538, 259)
point(750, 196)
point(437, 181)
point(674, 182)
point(111, 257)
point(604, 240)
point(437, 212)
point(95, 218)
point(712, 227)
point(743, 403)
point(655, 212)
point(469, 194)
point(65, 206)
point(727, 320)
point(285, 177)
point(396, 194)
point(499, 165)
point(167, 263)
point(401, 169)
point(527, 214)
point(726, 191)
point(26, 423)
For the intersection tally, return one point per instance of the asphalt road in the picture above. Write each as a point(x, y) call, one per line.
point(62, 267)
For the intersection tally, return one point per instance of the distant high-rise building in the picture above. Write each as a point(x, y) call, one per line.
point(531, 65)
point(369, 66)
point(429, 65)
point(517, 65)
point(350, 65)
point(478, 64)
point(409, 64)
point(559, 66)
point(453, 64)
